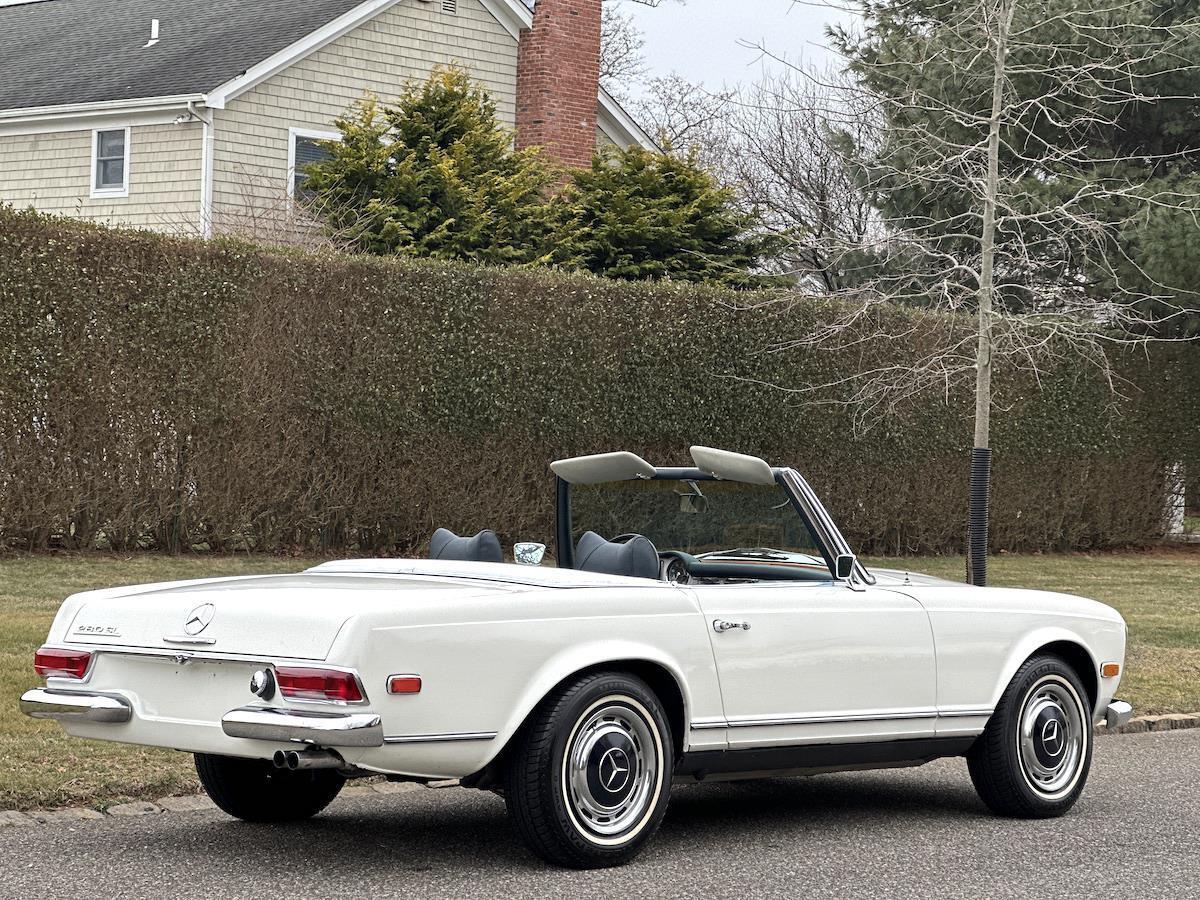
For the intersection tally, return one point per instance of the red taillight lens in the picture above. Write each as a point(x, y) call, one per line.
point(61, 663)
point(317, 684)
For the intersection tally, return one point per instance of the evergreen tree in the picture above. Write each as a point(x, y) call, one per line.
point(643, 215)
point(435, 175)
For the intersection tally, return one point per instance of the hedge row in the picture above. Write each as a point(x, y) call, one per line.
point(167, 393)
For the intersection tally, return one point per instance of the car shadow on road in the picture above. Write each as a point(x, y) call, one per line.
point(461, 831)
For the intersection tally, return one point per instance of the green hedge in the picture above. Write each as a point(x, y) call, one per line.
point(168, 393)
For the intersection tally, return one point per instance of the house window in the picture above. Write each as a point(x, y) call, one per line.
point(110, 162)
point(305, 148)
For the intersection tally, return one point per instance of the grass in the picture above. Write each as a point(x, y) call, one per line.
point(1157, 592)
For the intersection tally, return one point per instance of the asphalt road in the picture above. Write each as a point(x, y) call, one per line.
point(910, 833)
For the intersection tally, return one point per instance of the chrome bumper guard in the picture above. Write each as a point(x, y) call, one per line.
point(42, 703)
point(1119, 713)
point(327, 729)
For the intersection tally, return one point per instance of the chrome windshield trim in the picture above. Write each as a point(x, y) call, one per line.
point(440, 738)
point(42, 703)
point(829, 534)
point(269, 723)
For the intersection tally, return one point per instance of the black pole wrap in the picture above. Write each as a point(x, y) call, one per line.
point(977, 528)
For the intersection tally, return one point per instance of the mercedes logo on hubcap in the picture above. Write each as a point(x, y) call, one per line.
point(1052, 737)
point(614, 769)
point(197, 620)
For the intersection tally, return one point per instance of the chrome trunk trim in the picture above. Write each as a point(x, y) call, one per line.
point(267, 723)
point(42, 703)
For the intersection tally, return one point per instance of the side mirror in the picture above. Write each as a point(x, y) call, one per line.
point(529, 553)
point(843, 566)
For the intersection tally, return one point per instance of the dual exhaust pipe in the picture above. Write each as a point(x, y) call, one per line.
point(299, 760)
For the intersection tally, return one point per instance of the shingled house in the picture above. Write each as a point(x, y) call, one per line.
point(193, 117)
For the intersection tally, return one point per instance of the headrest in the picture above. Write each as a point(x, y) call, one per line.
point(635, 558)
point(484, 547)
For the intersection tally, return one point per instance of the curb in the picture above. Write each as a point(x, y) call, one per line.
point(1143, 724)
point(189, 803)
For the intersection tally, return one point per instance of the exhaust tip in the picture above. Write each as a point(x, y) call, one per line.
point(280, 759)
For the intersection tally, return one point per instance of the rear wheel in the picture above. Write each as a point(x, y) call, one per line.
point(588, 779)
point(256, 791)
point(1033, 759)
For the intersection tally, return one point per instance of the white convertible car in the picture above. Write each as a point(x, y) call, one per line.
point(707, 622)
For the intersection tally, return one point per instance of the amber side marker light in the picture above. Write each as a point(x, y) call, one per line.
point(1110, 670)
point(404, 684)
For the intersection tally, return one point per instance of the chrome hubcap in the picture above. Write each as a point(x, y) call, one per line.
point(1052, 740)
point(612, 769)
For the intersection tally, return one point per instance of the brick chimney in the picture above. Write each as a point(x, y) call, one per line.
point(558, 76)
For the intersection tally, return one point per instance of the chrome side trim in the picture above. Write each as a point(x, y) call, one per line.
point(907, 715)
point(963, 713)
point(267, 723)
point(41, 703)
point(1118, 713)
point(440, 738)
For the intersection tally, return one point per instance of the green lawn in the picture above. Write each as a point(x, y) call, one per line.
point(1158, 593)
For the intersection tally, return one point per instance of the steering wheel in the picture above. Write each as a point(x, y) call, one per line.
point(679, 565)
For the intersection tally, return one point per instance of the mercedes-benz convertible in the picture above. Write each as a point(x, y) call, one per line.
point(691, 623)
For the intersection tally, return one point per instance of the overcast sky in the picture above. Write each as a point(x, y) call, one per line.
point(699, 39)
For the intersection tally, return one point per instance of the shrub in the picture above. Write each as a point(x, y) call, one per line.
point(170, 393)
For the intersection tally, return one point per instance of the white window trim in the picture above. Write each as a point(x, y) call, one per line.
point(102, 192)
point(311, 133)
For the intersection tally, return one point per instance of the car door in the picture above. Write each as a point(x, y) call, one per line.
point(803, 663)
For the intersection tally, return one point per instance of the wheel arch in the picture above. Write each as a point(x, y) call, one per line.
point(1062, 643)
point(660, 673)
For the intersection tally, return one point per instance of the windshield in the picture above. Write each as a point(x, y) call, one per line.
point(701, 517)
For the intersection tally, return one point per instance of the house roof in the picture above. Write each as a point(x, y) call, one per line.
point(60, 54)
point(86, 51)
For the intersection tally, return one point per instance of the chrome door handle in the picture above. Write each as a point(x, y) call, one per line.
point(720, 626)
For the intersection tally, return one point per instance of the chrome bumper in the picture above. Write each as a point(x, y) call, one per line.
point(265, 723)
point(1119, 713)
point(42, 703)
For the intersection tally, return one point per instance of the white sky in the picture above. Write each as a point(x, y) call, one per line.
point(701, 39)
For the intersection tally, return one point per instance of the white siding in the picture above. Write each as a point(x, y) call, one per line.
point(250, 157)
point(52, 173)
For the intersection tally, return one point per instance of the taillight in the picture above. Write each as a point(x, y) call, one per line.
point(317, 684)
point(61, 663)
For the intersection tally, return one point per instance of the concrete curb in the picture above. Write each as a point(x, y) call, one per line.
point(1143, 724)
point(199, 802)
point(185, 804)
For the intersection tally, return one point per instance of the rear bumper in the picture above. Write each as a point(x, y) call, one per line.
point(264, 723)
point(1118, 713)
point(42, 703)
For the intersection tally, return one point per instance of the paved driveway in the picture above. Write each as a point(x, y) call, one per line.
point(909, 833)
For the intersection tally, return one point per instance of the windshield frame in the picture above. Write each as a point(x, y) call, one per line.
point(800, 495)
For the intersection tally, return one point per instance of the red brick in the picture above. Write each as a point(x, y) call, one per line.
point(558, 73)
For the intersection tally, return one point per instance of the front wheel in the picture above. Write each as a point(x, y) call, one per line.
point(588, 778)
point(1033, 759)
point(254, 790)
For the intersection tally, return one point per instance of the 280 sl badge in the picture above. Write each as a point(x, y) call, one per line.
point(102, 630)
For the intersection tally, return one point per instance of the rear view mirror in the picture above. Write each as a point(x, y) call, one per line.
point(843, 566)
point(529, 553)
point(692, 504)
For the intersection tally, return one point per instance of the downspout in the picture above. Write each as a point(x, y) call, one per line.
point(206, 169)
